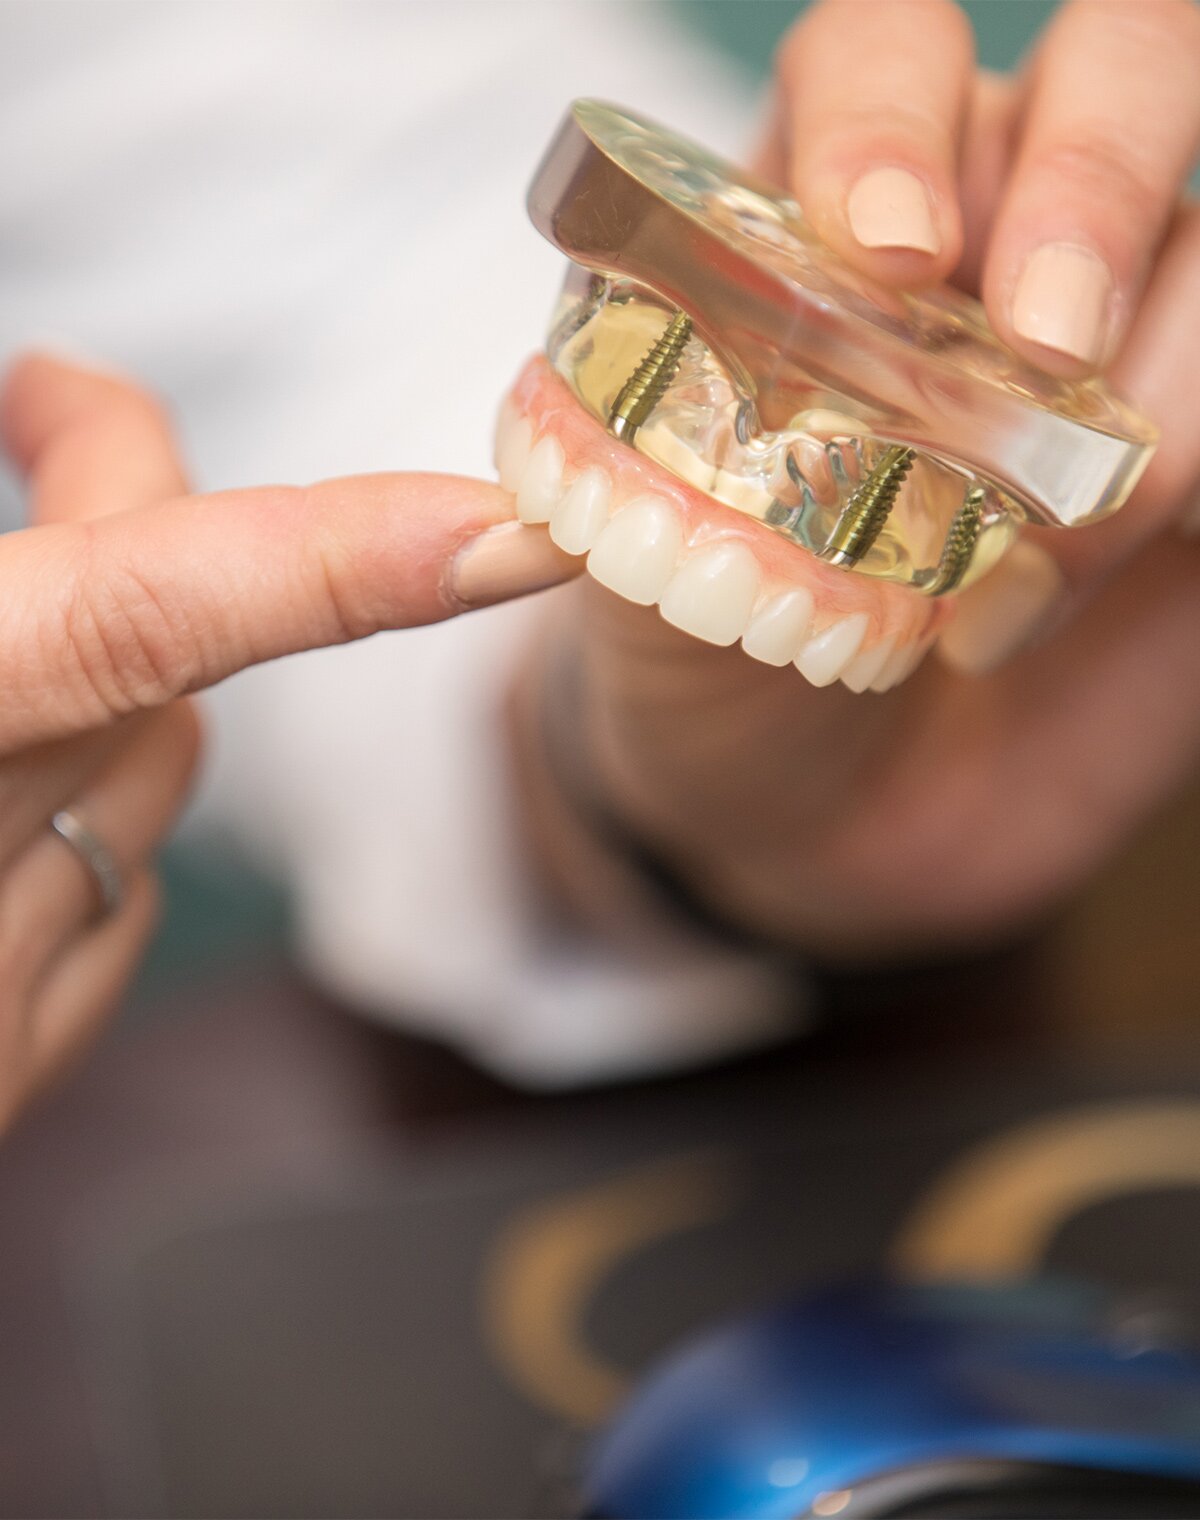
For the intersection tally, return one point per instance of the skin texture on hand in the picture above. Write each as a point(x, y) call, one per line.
point(951, 810)
point(124, 595)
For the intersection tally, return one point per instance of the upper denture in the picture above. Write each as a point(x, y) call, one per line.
point(715, 573)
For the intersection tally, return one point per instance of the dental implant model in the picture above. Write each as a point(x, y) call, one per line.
point(860, 454)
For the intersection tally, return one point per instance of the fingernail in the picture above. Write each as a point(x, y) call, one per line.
point(1004, 612)
point(889, 208)
point(506, 561)
point(1062, 300)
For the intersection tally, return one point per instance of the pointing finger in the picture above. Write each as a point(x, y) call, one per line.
point(103, 617)
point(1111, 133)
point(876, 91)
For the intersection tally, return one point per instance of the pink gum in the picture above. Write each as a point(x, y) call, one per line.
point(893, 611)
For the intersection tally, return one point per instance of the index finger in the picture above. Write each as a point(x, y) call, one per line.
point(1109, 138)
point(106, 616)
point(1052, 573)
point(875, 95)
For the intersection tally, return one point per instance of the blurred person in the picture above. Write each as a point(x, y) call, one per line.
point(522, 830)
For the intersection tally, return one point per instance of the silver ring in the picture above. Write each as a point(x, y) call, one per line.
point(96, 857)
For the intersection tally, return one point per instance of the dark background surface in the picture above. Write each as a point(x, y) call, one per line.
point(262, 1258)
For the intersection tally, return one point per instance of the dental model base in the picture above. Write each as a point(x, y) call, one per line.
point(734, 425)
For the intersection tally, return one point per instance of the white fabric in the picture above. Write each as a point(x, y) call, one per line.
point(304, 224)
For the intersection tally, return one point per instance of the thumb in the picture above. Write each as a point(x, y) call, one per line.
point(107, 615)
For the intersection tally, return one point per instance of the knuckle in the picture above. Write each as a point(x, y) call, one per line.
point(1105, 170)
point(341, 570)
point(880, 128)
point(121, 641)
point(348, 619)
point(1147, 32)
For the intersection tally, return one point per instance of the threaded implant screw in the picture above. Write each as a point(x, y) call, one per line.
point(646, 387)
point(960, 544)
point(861, 519)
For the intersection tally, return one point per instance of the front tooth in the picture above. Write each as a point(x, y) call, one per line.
point(905, 659)
point(541, 484)
point(910, 657)
point(514, 453)
point(823, 657)
point(867, 664)
point(893, 667)
point(576, 523)
point(779, 625)
point(637, 550)
point(712, 593)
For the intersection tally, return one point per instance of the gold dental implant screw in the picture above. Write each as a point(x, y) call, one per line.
point(960, 544)
point(645, 388)
point(861, 519)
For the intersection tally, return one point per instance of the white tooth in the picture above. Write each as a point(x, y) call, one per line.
point(637, 550)
point(514, 453)
point(919, 650)
point(867, 664)
point(541, 484)
point(902, 664)
point(823, 657)
point(506, 420)
point(893, 668)
point(779, 625)
point(577, 521)
point(896, 668)
point(712, 593)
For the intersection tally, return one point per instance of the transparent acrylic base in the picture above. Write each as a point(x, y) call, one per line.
point(944, 529)
point(892, 434)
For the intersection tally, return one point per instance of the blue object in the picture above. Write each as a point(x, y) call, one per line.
point(793, 1411)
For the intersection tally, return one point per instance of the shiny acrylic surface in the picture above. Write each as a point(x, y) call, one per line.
point(805, 353)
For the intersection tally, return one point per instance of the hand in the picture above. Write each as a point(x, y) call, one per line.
point(125, 595)
point(954, 808)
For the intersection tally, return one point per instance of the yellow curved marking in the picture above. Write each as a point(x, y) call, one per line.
point(997, 1210)
point(548, 1262)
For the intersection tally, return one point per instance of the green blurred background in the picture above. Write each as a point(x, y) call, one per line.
point(749, 29)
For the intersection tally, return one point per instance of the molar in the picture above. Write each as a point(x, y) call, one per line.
point(578, 520)
point(637, 549)
point(823, 657)
point(779, 626)
point(712, 593)
point(541, 482)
